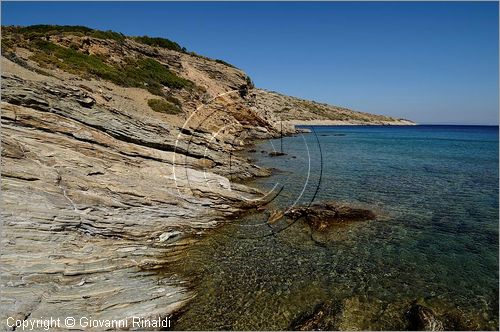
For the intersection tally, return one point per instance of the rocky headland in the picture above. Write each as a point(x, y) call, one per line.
point(117, 153)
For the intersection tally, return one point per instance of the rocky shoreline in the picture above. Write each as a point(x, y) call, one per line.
point(93, 204)
point(100, 190)
point(318, 122)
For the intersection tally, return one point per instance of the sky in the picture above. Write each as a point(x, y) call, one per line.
point(431, 62)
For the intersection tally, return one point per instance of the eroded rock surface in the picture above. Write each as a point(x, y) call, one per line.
point(322, 216)
point(96, 199)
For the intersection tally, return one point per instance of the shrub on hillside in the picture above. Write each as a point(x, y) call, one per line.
point(153, 75)
point(44, 30)
point(73, 61)
point(224, 63)
point(163, 106)
point(160, 42)
point(143, 73)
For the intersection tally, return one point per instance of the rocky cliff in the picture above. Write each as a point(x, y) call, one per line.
point(117, 152)
point(296, 111)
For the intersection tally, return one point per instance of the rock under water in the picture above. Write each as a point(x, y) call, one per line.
point(322, 216)
point(422, 318)
point(324, 317)
point(413, 315)
point(276, 154)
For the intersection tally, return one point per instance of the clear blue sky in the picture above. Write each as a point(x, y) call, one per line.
point(430, 62)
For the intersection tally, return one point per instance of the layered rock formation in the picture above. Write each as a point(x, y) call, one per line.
point(324, 215)
point(93, 204)
point(97, 198)
point(100, 192)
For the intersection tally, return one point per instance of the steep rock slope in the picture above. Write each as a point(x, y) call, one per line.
point(93, 203)
point(300, 111)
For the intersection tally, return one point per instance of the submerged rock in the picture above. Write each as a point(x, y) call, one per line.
point(276, 154)
point(321, 216)
point(274, 216)
point(421, 318)
point(440, 316)
point(371, 314)
point(324, 317)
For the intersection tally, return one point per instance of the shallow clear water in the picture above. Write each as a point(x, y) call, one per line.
point(435, 191)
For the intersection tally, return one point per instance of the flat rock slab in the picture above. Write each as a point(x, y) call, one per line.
point(322, 216)
point(276, 154)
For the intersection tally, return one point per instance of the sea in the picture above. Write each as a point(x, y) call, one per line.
point(435, 240)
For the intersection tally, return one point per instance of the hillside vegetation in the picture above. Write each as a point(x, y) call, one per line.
point(141, 72)
point(298, 111)
point(160, 66)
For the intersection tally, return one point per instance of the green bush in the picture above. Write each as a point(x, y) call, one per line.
point(107, 35)
point(224, 63)
point(44, 30)
point(160, 42)
point(163, 106)
point(72, 61)
point(174, 101)
point(152, 75)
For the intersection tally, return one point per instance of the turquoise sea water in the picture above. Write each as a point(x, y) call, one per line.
point(435, 192)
